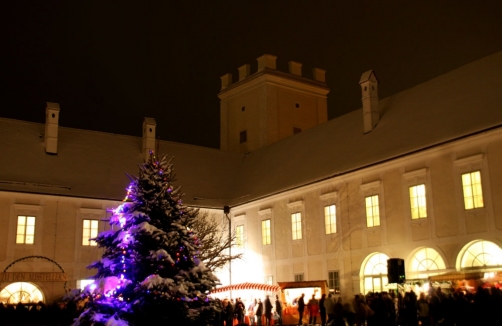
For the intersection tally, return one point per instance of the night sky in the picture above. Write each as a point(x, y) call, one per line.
point(111, 63)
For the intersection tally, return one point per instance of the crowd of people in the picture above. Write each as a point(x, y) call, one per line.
point(56, 314)
point(258, 312)
point(435, 308)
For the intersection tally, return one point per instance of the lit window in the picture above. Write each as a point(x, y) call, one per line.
point(81, 284)
point(426, 262)
point(473, 194)
point(372, 211)
point(481, 254)
point(299, 277)
point(375, 273)
point(265, 232)
point(417, 201)
point(21, 292)
point(89, 231)
point(239, 236)
point(330, 219)
point(25, 229)
point(269, 279)
point(334, 281)
point(296, 223)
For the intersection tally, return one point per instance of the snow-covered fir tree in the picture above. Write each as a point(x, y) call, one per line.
point(150, 273)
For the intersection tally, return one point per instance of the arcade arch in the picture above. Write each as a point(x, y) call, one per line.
point(374, 273)
point(479, 254)
point(23, 292)
point(425, 262)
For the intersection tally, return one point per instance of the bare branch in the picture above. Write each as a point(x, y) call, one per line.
point(214, 241)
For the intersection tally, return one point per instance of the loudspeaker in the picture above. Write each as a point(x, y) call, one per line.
point(226, 209)
point(395, 270)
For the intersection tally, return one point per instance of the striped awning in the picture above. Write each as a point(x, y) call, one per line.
point(248, 286)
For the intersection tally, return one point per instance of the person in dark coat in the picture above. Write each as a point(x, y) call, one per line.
point(259, 312)
point(268, 310)
point(239, 311)
point(301, 308)
point(278, 309)
point(229, 313)
point(322, 310)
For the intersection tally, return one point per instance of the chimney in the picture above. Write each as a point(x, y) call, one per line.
point(319, 75)
point(244, 71)
point(266, 61)
point(369, 88)
point(295, 68)
point(226, 80)
point(51, 127)
point(148, 137)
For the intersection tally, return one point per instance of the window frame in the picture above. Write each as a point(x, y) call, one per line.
point(373, 208)
point(26, 225)
point(243, 137)
point(332, 219)
point(334, 282)
point(266, 233)
point(372, 190)
point(239, 236)
point(473, 188)
point(296, 226)
point(418, 203)
point(299, 277)
point(90, 243)
point(469, 165)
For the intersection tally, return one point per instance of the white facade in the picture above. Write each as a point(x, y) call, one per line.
point(430, 164)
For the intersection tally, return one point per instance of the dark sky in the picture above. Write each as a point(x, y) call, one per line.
point(111, 63)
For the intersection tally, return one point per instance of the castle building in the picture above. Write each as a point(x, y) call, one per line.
point(415, 176)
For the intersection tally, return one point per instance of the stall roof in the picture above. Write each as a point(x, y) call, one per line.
point(248, 286)
point(455, 276)
point(303, 284)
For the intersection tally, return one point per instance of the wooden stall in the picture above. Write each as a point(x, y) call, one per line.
point(291, 292)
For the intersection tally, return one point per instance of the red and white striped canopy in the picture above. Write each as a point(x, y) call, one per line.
point(248, 286)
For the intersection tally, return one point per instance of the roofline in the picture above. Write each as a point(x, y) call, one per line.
point(371, 165)
point(273, 72)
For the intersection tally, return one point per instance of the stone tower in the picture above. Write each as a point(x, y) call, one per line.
point(268, 105)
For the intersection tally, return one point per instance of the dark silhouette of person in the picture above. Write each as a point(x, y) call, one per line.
point(268, 310)
point(301, 308)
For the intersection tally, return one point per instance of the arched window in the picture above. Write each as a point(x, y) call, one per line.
point(375, 273)
point(480, 254)
point(21, 292)
point(426, 262)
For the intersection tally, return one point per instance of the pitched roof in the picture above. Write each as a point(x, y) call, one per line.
point(93, 164)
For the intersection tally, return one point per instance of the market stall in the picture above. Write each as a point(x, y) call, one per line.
point(466, 281)
point(247, 292)
point(291, 292)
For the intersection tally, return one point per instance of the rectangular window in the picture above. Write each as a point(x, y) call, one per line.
point(25, 229)
point(296, 224)
point(299, 277)
point(269, 279)
point(372, 211)
point(243, 137)
point(239, 236)
point(265, 232)
point(417, 201)
point(330, 219)
point(89, 231)
point(81, 284)
point(473, 193)
point(334, 281)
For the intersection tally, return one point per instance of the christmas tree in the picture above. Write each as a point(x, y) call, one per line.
point(150, 273)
